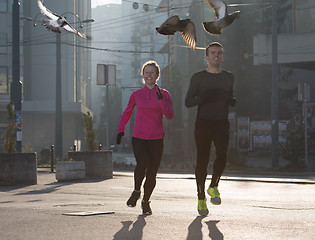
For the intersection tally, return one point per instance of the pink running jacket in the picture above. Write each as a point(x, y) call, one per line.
point(149, 113)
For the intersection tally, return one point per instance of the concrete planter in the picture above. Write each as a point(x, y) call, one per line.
point(70, 170)
point(18, 168)
point(98, 164)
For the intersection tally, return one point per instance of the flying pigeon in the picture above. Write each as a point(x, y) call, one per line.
point(54, 22)
point(223, 18)
point(186, 27)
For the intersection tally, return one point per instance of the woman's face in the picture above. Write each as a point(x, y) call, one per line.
point(149, 76)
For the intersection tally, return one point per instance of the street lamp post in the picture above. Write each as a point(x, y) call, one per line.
point(58, 109)
point(58, 103)
point(275, 87)
point(16, 85)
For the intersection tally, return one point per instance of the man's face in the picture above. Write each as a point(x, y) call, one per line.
point(215, 56)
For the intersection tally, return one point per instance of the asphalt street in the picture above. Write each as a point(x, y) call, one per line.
point(253, 207)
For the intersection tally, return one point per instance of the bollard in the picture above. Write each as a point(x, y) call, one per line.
point(51, 158)
point(100, 147)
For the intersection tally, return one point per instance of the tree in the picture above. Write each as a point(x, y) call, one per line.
point(90, 135)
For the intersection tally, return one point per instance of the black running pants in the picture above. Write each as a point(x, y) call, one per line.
point(148, 154)
point(206, 132)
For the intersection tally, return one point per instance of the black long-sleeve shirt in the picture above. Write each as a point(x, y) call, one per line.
point(211, 92)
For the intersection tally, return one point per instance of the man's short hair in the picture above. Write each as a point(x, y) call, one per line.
point(217, 44)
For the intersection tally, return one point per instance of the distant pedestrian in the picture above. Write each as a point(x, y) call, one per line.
point(212, 91)
point(152, 104)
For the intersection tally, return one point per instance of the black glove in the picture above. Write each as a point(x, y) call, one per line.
point(232, 101)
point(158, 93)
point(119, 136)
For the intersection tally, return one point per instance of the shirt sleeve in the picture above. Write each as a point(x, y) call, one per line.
point(192, 97)
point(127, 113)
point(166, 105)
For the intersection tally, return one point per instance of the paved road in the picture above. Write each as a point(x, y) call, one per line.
point(252, 208)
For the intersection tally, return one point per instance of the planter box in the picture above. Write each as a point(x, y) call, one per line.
point(18, 168)
point(98, 164)
point(70, 170)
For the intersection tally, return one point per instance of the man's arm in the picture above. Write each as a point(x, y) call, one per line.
point(192, 99)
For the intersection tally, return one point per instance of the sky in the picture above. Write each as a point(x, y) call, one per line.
point(96, 3)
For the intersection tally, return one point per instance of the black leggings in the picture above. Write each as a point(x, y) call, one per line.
point(148, 154)
point(206, 132)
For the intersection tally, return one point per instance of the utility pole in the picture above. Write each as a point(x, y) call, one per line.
point(16, 85)
point(58, 110)
point(274, 95)
point(304, 96)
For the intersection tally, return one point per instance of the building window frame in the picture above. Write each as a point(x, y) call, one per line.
point(3, 43)
point(4, 80)
point(3, 6)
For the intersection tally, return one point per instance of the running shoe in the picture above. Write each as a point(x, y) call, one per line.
point(146, 207)
point(202, 207)
point(132, 201)
point(215, 195)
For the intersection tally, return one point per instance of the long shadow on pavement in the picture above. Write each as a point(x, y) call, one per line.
point(136, 232)
point(195, 233)
point(214, 232)
point(194, 229)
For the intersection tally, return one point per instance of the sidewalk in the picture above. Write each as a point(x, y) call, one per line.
point(254, 167)
point(248, 210)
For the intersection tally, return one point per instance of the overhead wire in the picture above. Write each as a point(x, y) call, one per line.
point(135, 18)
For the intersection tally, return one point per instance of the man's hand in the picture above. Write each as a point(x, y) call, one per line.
point(119, 136)
point(232, 101)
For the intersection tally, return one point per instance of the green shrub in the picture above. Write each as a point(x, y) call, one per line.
point(293, 148)
point(90, 135)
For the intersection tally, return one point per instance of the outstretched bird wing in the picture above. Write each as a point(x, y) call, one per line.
point(46, 12)
point(219, 7)
point(69, 28)
point(189, 35)
point(52, 23)
point(185, 27)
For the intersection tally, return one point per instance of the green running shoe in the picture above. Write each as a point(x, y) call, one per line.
point(202, 207)
point(215, 195)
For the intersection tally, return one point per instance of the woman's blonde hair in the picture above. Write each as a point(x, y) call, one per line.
point(151, 63)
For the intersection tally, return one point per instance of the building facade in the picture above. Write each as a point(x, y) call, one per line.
point(38, 73)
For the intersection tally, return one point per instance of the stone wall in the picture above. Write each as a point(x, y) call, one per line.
point(18, 168)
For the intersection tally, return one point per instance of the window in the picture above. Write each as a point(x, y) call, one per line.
point(3, 6)
point(3, 43)
point(4, 84)
point(304, 15)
